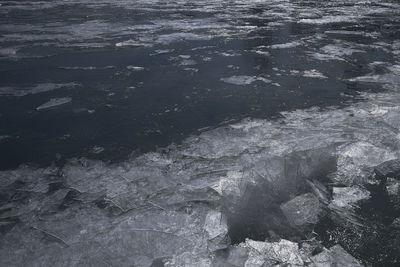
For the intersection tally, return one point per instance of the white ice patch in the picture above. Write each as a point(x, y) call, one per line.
point(54, 102)
point(313, 74)
point(244, 80)
point(355, 160)
point(338, 50)
point(8, 52)
point(328, 20)
point(181, 36)
point(347, 197)
point(285, 45)
point(324, 57)
point(132, 43)
point(40, 88)
point(135, 68)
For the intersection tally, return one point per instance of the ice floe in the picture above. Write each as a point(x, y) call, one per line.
point(244, 79)
point(40, 88)
point(54, 102)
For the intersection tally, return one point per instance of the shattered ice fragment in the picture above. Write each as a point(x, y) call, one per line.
point(97, 149)
point(268, 254)
point(217, 229)
point(388, 169)
point(347, 197)
point(355, 161)
point(393, 191)
point(302, 210)
point(215, 224)
point(188, 259)
point(54, 102)
point(335, 256)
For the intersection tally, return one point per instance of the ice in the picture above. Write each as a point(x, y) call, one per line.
point(4, 137)
point(285, 45)
point(79, 68)
point(54, 102)
point(40, 88)
point(329, 19)
point(348, 197)
point(325, 57)
point(181, 36)
point(302, 210)
point(181, 197)
point(8, 52)
point(388, 169)
point(269, 254)
point(313, 74)
point(131, 43)
point(188, 62)
point(244, 80)
point(335, 256)
point(356, 161)
point(176, 206)
point(383, 78)
point(339, 50)
point(135, 68)
point(393, 190)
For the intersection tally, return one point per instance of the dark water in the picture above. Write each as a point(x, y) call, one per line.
point(179, 90)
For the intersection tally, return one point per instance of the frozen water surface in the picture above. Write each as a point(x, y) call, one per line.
point(301, 174)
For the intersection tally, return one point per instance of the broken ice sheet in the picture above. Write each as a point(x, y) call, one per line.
point(269, 254)
point(302, 210)
point(348, 197)
point(335, 256)
point(356, 160)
